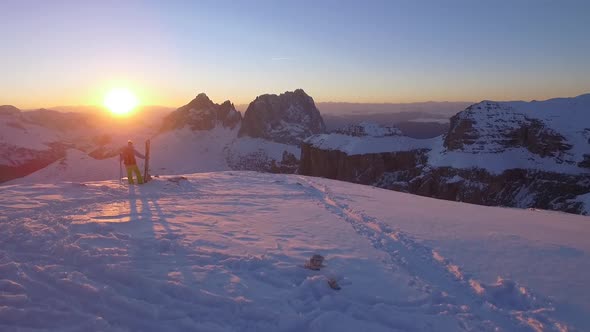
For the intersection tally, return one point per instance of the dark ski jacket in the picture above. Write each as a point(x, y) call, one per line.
point(128, 156)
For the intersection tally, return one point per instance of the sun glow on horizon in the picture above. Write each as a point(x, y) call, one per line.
point(120, 101)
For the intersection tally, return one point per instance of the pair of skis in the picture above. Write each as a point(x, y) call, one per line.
point(146, 172)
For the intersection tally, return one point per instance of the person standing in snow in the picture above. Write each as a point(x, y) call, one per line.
point(127, 156)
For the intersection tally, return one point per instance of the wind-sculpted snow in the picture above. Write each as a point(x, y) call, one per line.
point(225, 252)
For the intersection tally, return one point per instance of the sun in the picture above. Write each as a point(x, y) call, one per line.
point(120, 101)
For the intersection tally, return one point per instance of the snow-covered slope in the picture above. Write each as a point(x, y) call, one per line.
point(25, 146)
point(75, 166)
point(187, 151)
point(178, 151)
point(20, 134)
point(225, 252)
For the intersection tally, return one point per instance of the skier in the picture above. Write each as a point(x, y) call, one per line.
point(127, 156)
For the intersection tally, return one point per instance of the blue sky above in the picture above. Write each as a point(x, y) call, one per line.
point(72, 52)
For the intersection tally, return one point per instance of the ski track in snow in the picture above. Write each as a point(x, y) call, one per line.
point(504, 305)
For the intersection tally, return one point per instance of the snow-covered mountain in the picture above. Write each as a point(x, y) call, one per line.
point(519, 154)
point(288, 118)
point(522, 154)
point(226, 252)
point(32, 140)
point(556, 128)
point(204, 136)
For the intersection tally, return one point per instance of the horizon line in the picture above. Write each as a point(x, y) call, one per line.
point(316, 102)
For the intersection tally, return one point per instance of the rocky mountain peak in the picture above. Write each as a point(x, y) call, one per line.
point(202, 114)
point(286, 118)
point(201, 102)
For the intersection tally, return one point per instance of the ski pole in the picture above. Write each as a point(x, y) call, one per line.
point(120, 171)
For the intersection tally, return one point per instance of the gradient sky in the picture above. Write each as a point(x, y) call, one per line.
point(72, 52)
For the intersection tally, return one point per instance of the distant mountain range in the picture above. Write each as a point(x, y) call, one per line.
point(522, 154)
point(417, 120)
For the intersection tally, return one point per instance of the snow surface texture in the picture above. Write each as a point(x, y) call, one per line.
point(225, 252)
point(569, 117)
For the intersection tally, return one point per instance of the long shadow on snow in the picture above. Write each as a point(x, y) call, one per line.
point(167, 271)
